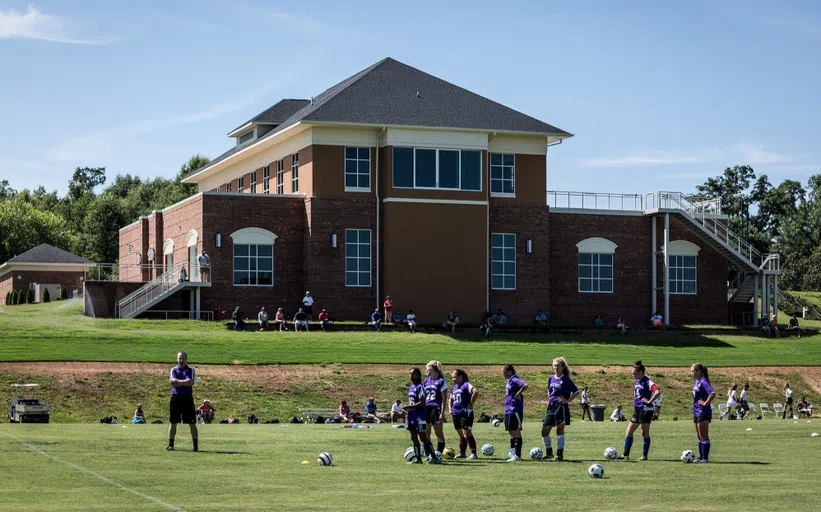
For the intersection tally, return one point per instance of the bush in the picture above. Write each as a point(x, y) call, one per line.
point(63, 293)
point(18, 297)
point(30, 296)
point(46, 296)
point(8, 299)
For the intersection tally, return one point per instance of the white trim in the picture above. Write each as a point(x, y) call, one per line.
point(168, 247)
point(436, 139)
point(502, 165)
point(48, 267)
point(683, 248)
point(522, 145)
point(695, 270)
point(357, 160)
point(499, 194)
point(584, 211)
point(597, 245)
point(503, 261)
point(234, 194)
point(253, 236)
point(179, 203)
point(241, 129)
point(133, 223)
point(551, 137)
point(370, 257)
point(432, 201)
point(192, 238)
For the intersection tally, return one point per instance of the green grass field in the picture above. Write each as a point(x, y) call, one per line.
point(258, 467)
point(59, 332)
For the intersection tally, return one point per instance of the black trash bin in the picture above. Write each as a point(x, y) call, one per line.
point(597, 412)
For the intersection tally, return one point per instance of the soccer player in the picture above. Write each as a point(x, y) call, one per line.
point(703, 395)
point(417, 417)
point(514, 410)
point(462, 397)
point(436, 394)
point(561, 391)
point(787, 401)
point(645, 392)
point(732, 403)
point(182, 400)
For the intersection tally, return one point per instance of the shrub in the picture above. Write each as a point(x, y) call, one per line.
point(30, 296)
point(63, 293)
point(18, 297)
point(46, 296)
point(8, 298)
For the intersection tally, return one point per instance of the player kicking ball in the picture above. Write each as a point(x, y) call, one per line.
point(182, 408)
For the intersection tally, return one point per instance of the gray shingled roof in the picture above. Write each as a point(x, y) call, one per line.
point(277, 113)
point(392, 93)
point(45, 253)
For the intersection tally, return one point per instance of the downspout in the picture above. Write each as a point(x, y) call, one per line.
point(487, 227)
point(378, 225)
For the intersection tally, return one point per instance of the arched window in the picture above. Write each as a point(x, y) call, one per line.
point(253, 257)
point(683, 265)
point(596, 257)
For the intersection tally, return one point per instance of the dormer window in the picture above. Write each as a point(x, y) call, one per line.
point(247, 137)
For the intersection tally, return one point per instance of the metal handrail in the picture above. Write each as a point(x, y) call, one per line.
point(594, 201)
point(115, 271)
point(152, 290)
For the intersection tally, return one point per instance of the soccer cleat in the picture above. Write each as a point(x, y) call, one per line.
point(472, 456)
point(196, 449)
point(643, 457)
point(169, 448)
point(625, 457)
point(514, 458)
point(459, 456)
point(700, 461)
point(558, 458)
point(416, 460)
point(434, 460)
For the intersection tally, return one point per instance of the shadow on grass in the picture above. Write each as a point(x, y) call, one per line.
point(222, 452)
point(672, 340)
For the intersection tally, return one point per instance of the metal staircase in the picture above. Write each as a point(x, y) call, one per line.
point(154, 291)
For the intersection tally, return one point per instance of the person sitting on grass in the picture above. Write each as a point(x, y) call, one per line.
point(500, 318)
point(487, 327)
point(239, 319)
point(370, 410)
point(598, 321)
point(541, 318)
point(411, 320)
point(657, 320)
point(804, 407)
point(617, 415)
point(376, 319)
point(345, 412)
point(398, 412)
point(452, 321)
point(398, 317)
point(262, 319)
point(139, 415)
point(621, 325)
point(324, 320)
point(794, 325)
point(206, 411)
point(300, 320)
point(279, 319)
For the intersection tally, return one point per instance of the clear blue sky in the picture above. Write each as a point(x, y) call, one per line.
point(660, 95)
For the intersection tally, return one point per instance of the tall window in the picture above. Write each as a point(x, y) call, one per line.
point(280, 177)
point(295, 173)
point(502, 174)
point(595, 273)
point(228, 187)
point(240, 184)
point(357, 257)
point(449, 169)
point(503, 261)
point(253, 181)
point(358, 169)
point(253, 265)
point(683, 275)
point(266, 180)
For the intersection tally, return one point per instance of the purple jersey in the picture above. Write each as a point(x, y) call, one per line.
point(461, 394)
point(644, 388)
point(181, 374)
point(416, 395)
point(701, 391)
point(560, 387)
point(513, 405)
point(433, 391)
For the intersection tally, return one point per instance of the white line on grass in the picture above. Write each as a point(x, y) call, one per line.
point(95, 475)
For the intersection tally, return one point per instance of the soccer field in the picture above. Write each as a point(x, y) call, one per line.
point(259, 467)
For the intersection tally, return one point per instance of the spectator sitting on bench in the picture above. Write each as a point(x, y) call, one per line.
point(794, 325)
point(397, 412)
point(500, 318)
point(239, 319)
point(206, 411)
point(411, 320)
point(345, 412)
point(804, 407)
point(452, 321)
point(487, 327)
point(620, 324)
point(617, 415)
point(324, 320)
point(376, 319)
point(300, 320)
point(541, 318)
point(262, 319)
point(398, 317)
point(774, 326)
point(598, 321)
point(279, 319)
point(370, 409)
point(657, 320)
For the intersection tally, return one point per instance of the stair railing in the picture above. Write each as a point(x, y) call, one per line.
point(132, 303)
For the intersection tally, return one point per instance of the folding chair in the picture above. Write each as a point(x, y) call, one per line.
point(778, 409)
point(722, 408)
point(764, 408)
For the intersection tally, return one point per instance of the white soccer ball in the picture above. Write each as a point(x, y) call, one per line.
point(487, 450)
point(438, 455)
point(610, 453)
point(596, 471)
point(536, 453)
point(688, 456)
point(496, 422)
point(410, 454)
point(325, 459)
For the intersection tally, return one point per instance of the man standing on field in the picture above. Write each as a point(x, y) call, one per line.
point(182, 400)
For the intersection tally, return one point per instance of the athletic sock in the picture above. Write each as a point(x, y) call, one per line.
point(548, 444)
point(463, 444)
point(171, 443)
point(646, 449)
point(513, 443)
point(196, 444)
point(560, 442)
point(472, 444)
point(417, 450)
point(707, 449)
point(429, 449)
point(701, 450)
point(628, 444)
point(518, 446)
point(440, 446)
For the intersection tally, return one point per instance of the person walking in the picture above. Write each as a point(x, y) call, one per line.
point(182, 408)
point(787, 401)
point(732, 403)
point(745, 406)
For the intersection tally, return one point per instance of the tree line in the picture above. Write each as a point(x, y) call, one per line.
point(785, 219)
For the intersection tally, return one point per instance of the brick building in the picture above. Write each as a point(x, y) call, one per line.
point(394, 182)
point(46, 266)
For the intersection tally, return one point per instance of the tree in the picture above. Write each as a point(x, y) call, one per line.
point(30, 296)
point(6, 192)
point(63, 293)
point(101, 236)
point(24, 227)
point(8, 299)
point(18, 297)
point(46, 296)
point(85, 180)
point(193, 164)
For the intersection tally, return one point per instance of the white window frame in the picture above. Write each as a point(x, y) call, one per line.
point(357, 174)
point(503, 275)
point(502, 167)
point(240, 184)
point(596, 246)
point(437, 187)
point(228, 187)
point(676, 264)
point(266, 180)
point(256, 237)
point(295, 173)
point(253, 182)
point(280, 177)
point(357, 257)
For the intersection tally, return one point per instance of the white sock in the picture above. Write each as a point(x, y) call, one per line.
point(561, 441)
point(548, 445)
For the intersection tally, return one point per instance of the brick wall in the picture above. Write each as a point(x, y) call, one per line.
point(21, 279)
point(99, 297)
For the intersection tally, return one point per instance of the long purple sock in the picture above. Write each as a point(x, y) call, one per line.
point(628, 443)
point(646, 447)
point(707, 449)
point(701, 450)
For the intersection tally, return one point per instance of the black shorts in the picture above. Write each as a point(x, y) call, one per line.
point(557, 414)
point(463, 420)
point(640, 415)
point(417, 428)
point(182, 409)
point(309, 310)
point(513, 421)
point(585, 406)
point(789, 401)
point(707, 418)
point(433, 414)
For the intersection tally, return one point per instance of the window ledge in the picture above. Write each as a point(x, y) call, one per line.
point(503, 194)
point(504, 289)
point(356, 189)
point(254, 285)
point(580, 291)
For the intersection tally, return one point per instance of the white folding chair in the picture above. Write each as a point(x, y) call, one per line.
point(764, 408)
point(722, 408)
point(778, 409)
